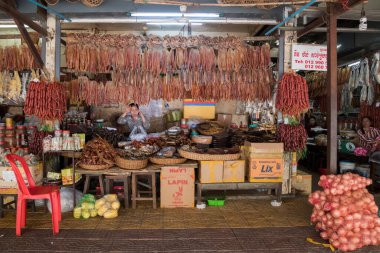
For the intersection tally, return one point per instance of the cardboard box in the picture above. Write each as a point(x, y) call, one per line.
point(67, 176)
point(266, 170)
point(264, 148)
point(302, 182)
point(211, 172)
point(265, 155)
point(8, 178)
point(234, 171)
point(202, 109)
point(8, 191)
point(224, 119)
point(177, 187)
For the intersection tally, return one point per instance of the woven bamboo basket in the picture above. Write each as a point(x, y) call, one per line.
point(95, 167)
point(167, 161)
point(92, 3)
point(130, 164)
point(52, 2)
point(207, 157)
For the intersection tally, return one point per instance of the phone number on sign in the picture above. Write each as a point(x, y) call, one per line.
point(315, 67)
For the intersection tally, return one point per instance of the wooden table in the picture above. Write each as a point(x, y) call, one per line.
point(116, 171)
point(238, 186)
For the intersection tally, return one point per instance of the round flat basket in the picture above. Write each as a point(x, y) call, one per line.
point(131, 164)
point(207, 157)
point(167, 161)
point(52, 2)
point(95, 167)
point(92, 3)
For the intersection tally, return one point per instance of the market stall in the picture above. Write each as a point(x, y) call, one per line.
point(165, 117)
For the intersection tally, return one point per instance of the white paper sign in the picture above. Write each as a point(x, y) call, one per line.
point(309, 57)
point(9, 176)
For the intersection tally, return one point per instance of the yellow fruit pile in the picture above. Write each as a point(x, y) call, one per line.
point(108, 206)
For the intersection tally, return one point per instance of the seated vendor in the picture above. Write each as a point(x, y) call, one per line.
point(369, 137)
point(133, 117)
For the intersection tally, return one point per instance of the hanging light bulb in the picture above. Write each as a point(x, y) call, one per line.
point(363, 21)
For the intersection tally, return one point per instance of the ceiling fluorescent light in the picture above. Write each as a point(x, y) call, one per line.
point(171, 23)
point(10, 26)
point(202, 15)
point(173, 14)
point(237, 21)
point(338, 46)
point(102, 20)
point(354, 63)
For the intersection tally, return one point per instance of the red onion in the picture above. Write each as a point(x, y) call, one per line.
point(345, 212)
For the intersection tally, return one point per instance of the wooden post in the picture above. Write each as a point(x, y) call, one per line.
point(53, 47)
point(332, 112)
point(287, 38)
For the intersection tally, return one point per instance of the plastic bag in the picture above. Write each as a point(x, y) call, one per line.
point(67, 204)
point(138, 134)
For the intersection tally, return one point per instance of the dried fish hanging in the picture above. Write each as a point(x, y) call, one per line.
point(17, 58)
point(209, 68)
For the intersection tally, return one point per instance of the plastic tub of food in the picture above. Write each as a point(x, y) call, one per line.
point(215, 202)
point(346, 166)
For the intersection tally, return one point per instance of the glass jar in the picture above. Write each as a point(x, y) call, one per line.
point(10, 140)
point(31, 129)
point(58, 133)
point(21, 136)
point(9, 130)
point(66, 133)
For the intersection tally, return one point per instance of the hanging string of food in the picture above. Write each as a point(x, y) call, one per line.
point(46, 100)
point(293, 136)
point(292, 95)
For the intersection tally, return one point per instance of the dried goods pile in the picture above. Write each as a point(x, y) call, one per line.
point(345, 212)
point(46, 100)
point(151, 68)
point(294, 137)
point(98, 152)
point(16, 58)
point(292, 95)
point(13, 86)
point(317, 81)
point(111, 136)
point(212, 151)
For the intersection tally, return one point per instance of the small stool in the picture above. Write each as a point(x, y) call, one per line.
point(87, 183)
point(136, 194)
point(126, 183)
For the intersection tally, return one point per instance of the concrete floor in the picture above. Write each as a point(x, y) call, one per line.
point(239, 226)
point(235, 214)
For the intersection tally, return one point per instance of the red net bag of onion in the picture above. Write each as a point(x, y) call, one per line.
point(345, 212)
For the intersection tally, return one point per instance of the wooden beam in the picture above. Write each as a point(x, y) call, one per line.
point(260, 38)
point(14, 13)
point(25, 35)
point(15, 36)
point(322, 20)
point(332, 90)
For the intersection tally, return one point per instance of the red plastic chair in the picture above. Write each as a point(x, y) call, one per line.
point(33, 192)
